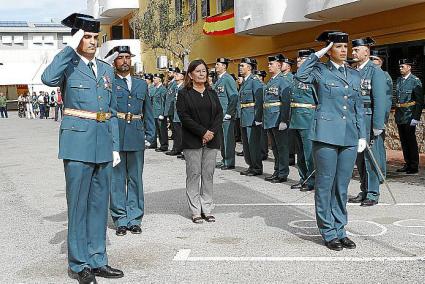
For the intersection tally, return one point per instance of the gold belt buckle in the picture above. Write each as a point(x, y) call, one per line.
point(128, 117)
point(101, 116)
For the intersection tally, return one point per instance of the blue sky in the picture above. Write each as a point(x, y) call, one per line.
point(39, 10)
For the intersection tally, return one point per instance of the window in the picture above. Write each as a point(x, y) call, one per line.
point(49, 39)
point(6, 39)
point(205, 6)
point(37, 39)
point(18, 39)
point(104, 38)
point(193, 11)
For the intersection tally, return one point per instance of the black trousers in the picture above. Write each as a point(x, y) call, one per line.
point(409, 145)
point(177, 137)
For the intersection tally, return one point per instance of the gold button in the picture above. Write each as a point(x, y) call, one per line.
point(81, 86)
point(101, 109)
point(129, 97)
point(344, 107)
point(129, 105)
point(345, 97)
point(343, 117)
point(346, 87)
point(99, 97)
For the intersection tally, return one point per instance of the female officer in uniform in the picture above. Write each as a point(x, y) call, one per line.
point(338, 133)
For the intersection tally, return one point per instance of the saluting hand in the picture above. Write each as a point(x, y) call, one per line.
point(111, 58)
point(76, 38)
point(324, 50)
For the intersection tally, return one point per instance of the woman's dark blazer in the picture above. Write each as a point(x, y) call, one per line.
point(189, 114)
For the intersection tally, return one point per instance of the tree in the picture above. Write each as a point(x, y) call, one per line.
point(167, 27)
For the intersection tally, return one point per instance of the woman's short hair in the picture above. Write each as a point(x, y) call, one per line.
point(188, 82)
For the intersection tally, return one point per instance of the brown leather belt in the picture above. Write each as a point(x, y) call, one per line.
point(303, 105)
point(129, 116)
point(409, 104)
point(247, 105)
point(267, 105)
point(98, 116)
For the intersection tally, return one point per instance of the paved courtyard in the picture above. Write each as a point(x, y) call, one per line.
point(265, 233)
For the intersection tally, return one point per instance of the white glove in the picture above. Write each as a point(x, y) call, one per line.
point(414, 122)
point(110, 59)
point(323, 51)
point(257, 123)
point(76, 38)
point(161, 117)
point(147, 143)
point(283, 126)
point(362, 145)
point(227, 117)
point(116, 158)
point(377, 132)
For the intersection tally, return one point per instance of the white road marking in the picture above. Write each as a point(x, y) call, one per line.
point(309, 204)
point(183, 255)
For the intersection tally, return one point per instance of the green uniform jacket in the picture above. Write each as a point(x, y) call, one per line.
point(409, 90)
point(227, 92)
point(170, 98)
point(276, 90)
point(159, 101)
point(81, 139)
point(251, 91)
point(302, 117)
point(389, 95)
point(373, 86)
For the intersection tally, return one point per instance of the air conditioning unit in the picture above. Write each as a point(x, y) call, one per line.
point(162, 62)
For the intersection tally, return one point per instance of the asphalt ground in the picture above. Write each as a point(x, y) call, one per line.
point(265, 233)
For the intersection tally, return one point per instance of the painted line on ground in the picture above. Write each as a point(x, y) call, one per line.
point(310, 204)
point(184, 255)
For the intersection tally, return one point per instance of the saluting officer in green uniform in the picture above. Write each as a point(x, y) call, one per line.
point(261, 75)
point(177, 125)
point(373, 91)
point(276, 111)
point(227, 92)
point(136, 124)
point(159, 113)
point(409, 104)
point(303, 104)
point(251, 102)
point(338, 133)
point(88, 145)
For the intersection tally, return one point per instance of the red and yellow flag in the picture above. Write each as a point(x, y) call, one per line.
point(220, 25)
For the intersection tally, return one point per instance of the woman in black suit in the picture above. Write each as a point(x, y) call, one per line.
point(201, 116)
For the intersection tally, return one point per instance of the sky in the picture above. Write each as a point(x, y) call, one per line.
point(39, 10)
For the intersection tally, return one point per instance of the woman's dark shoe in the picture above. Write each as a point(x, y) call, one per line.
point(197, 220)
point(208, 218)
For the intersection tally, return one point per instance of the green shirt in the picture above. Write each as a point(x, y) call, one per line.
point(3, 101)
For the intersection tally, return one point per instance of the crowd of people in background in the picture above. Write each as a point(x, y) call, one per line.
point(42, 105)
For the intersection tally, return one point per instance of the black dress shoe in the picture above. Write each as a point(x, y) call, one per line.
point(347, 243)
point(152, 147)
point(411, 172)
point(135, 229)
point(269, 178)
point(86, 276)
point(240, 154)
point(279, 180)
point(172, 153)
point(224, 168)
point(121, 231)
point(358, 199)
point(180, 157)
point(403, 169)
point(334, 244)
point(369, 202)
point(254, 173)
point(246, 172)
point(108, 272)
point(298, 185)
point(306, 188)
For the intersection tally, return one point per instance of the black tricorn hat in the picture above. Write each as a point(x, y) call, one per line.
point(149, 76)
point(250, 61)
point(84, 22)
point(305, 52)
point(277, 57)
point(333, 36)
point(120, 49)
point(406, 61)
point(289, 61)
point(378, 53)
point(367, 41)
point(223, 60)
point(261, 73)
point(158, 75)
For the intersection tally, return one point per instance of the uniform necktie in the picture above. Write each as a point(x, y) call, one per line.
point(342, 70)
point(126, 82)
point(90, 64)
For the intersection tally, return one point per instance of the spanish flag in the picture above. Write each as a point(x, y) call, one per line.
point(220, 25)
